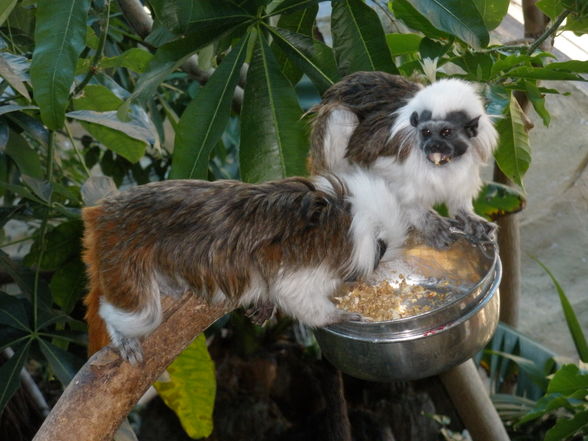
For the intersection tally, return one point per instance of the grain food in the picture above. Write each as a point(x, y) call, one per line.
point(385, 301)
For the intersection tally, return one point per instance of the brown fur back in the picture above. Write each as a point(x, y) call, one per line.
point(373, 97)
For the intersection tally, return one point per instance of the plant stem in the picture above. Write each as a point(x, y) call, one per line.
point(551, 30)
point(76, 150)
point(43, 228)
point(96, 59)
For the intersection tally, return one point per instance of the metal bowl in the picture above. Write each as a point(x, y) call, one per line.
point(427, 344)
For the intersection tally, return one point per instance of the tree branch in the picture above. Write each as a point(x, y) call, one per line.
point(105, 390)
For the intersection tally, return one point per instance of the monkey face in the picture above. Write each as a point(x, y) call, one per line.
point(443, 140)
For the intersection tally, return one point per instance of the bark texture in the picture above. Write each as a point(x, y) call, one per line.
point(105, 390)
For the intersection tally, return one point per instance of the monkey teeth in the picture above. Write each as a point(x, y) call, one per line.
point(438, 158)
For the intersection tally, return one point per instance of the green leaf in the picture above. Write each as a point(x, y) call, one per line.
point(6, 8)
point(101, 99)
point(13, 78)
point(359, 42)
point(567, 380)
point(60, 36)
point(565, 428)
point(62, 242)
point(171, 55)
point(15, 108)
point(551, 8)
point(535, 372)
point(403, 44)
point(26, 159)
point(16, 273)
point(182, 16)
point(136, 129)
point(191, 389)
point(538, 101)
point(301, 22)
point(10, 373)
point(513, 154)
point(14, 312)
point(68, 284)
point(497, 200)
point(456, 17)
point(404, 11)
point(204, 120)
point(63, 363)
point(288, 6)
point(311, 56)
point(492, 11)
point(41, 188)
point(504, 65)
point(571, 318)
point(543, 406)
point(273, 139)
point(134, 59)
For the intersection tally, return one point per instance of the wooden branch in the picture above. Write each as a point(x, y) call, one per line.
point(469, 396)
point(105, 390)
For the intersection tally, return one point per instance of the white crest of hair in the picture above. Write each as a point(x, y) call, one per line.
point(451, 95)
point(376, 214)
point(340, 125)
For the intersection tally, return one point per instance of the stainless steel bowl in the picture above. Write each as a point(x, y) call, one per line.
point(432, 342)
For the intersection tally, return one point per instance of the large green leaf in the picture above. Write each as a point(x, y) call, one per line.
point(273, 139)
point(68, 284)
point(14, 312)
point(60, 36)
point(496, 200)
point(564, 428)
point(63, 363)
point(99, 98)
point(456, 17)
point(204, 120)
point(26, 159)
point(492, 11)
point(61, 243)
point(301, 22)
point(13, 77)
point(191, 388)
point(10, 373)
point(181, 16)
point(311, 56)
point(288, 6)
point(139, 129)
point(571, 318)
point(513, 155)
point(567, 380)
point(359, 42)
point(404, 11)
point(6, 8)
point(171, 55)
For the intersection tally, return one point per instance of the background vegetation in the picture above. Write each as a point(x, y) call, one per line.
point(96, 95)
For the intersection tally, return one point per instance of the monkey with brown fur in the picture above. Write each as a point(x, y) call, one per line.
point(428, 144)
point(291, 242)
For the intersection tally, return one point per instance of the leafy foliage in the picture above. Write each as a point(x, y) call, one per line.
point(87, 105)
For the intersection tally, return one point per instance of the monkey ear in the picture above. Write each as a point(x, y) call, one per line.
point(414, 119)
point(471, 127)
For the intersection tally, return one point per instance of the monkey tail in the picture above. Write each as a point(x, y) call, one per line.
point(97, 334)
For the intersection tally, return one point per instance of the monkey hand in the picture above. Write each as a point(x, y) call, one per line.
point(437, 231)
point(476, 228)
point(260, 313)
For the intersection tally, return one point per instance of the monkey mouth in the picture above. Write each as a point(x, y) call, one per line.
point(438, 158)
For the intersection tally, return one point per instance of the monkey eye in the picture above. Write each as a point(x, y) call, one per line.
point(445, 132)
point(426, 133)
